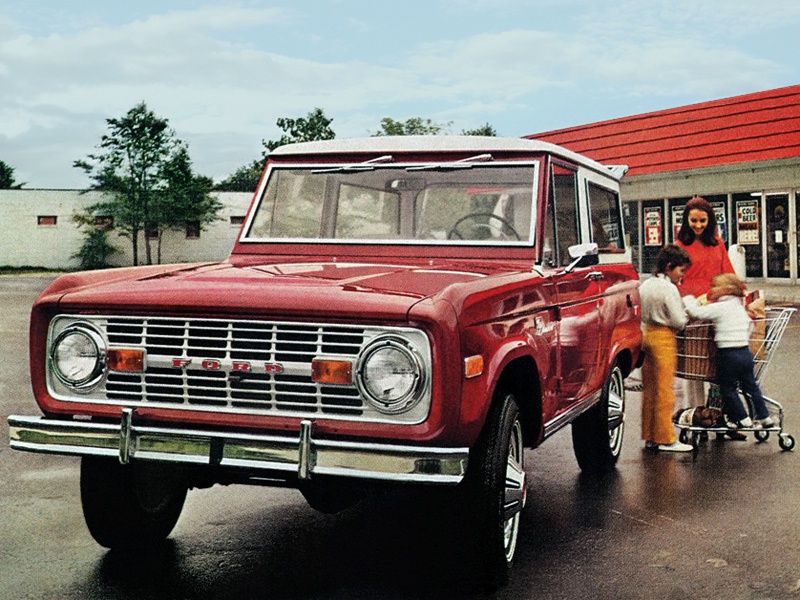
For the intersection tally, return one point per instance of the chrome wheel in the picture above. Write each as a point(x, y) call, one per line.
point(598, 433)
point(616, 411)
point(515, 491)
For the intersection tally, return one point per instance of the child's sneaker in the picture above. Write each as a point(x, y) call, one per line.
point(766, 423)
point(740, 424)
point(675, 447)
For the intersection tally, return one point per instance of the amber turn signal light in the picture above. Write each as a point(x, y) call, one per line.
point(332, 371)
point(473, 366)
point(125, 359)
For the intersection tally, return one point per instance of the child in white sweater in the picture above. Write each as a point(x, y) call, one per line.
point(735, 365)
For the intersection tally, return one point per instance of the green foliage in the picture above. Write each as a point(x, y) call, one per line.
point(147, 172)
point(315, 126)
point(412, 126)
point(244, 179)
point(484, 129)
point(7, 178)
point(95, 250)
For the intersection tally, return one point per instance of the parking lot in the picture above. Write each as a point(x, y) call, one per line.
point(722, 526)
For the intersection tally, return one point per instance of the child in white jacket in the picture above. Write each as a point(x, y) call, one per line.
point(735, 364)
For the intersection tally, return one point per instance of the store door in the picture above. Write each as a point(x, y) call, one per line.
point(778, 242)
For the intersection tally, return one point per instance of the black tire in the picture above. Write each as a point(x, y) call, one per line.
point(597, 434)
point(331, 496)
point(494, 494)
point(130, 506)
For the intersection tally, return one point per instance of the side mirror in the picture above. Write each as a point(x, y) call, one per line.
point(583, 255)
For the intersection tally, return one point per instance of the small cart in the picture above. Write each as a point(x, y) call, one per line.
point(697, 360)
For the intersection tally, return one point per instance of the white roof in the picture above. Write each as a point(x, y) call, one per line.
point(439, 143)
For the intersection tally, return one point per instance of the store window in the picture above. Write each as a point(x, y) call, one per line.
point(746, 231)
point(676, 207)
point(777, 235)
point(653, 234)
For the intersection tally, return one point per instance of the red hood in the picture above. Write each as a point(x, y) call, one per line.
point(377, 290)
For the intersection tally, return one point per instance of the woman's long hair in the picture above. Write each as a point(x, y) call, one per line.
point(709, 236)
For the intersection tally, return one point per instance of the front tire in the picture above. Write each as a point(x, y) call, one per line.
point(597, 434)
point(495, 493)
point(130, 506)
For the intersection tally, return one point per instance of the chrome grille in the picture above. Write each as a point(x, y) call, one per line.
point(212, 355)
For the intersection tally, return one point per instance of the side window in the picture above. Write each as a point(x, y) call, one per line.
point(561, 229)
point(606, 219)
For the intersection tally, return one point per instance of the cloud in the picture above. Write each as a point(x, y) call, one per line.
point(223, 74)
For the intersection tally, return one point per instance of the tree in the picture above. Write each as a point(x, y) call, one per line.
point(7, 178)
point(244, 179)
point(315, 126)
point(484, 129)
point(96, 249)
point(412, 126)
point(135, 165)
point(186, 198)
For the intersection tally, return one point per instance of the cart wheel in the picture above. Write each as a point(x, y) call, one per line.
point(683, 436)
point(761, 436)
point(786, 442)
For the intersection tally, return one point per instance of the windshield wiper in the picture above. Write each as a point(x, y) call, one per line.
point(367, 165)
point(464, 163)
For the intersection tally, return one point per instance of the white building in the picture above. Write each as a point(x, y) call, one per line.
point(38, 231)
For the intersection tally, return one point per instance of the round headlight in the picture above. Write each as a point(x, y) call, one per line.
point(390, 375)
point(78, 357)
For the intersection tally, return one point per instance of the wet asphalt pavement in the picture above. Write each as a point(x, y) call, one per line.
point(724, 525)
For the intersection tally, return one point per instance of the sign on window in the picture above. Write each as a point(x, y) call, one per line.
point(747, 222)
point(653, 227)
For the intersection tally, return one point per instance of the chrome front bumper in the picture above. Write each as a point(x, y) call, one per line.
point(303, 455)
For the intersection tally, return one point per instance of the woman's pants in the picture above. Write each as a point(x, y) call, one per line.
point(658, 375)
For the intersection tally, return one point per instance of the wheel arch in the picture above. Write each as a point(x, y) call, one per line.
point(624, 359)
point(520, 377)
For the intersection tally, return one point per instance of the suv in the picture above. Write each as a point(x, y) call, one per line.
point(395, 311)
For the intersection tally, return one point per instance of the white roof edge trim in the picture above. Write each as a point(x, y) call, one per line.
point(436, 143)
point(617, 171)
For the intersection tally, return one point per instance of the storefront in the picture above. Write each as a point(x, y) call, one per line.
point(742, 154)
point(764, 225)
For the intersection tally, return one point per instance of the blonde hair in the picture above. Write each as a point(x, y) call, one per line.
point(729, 285)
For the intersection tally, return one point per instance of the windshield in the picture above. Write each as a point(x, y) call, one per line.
point(439, 204)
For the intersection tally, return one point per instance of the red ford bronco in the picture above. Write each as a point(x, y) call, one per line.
point(395, 311)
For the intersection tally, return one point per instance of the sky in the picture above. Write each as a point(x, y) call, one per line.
point(222, 73)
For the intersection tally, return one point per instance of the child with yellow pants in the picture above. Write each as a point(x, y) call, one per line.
point(663, 315)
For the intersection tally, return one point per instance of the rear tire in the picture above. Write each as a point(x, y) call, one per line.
point(130, 506)
point(598, 433)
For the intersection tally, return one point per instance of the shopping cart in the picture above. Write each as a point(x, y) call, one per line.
point(697, 360)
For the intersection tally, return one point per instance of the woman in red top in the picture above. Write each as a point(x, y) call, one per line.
point(698, 236)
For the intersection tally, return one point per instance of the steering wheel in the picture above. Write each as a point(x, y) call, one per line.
point(502, 226)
